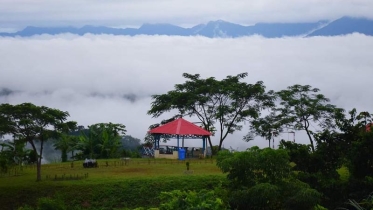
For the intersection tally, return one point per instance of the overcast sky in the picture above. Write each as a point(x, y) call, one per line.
point(16, 14)
point(89, 75)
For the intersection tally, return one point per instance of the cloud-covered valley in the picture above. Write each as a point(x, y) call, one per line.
point(111, 78)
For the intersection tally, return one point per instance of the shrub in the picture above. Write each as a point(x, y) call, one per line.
point(261, 196)
point(191, 200)
point(50, 204)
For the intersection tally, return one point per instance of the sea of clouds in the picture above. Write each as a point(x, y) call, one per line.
point(108, 78)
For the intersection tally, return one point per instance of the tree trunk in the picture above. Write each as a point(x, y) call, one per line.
point(38, 169)
point(38, 161)
point(38, 164)
point(309, 136)
point(64, 155)
point(220, 143)
point(209, 139)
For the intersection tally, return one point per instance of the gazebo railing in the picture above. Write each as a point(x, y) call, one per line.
point(148, 151)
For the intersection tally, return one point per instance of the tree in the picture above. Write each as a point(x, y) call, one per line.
point(358, 143)
point(254, 166)
point(267, 127)
point(65, 143)
point(131, 143)
point(303, 105)
point(101, 139)
point(262, 179)
point(17, 150)
point(227, 102)
point(31, 123)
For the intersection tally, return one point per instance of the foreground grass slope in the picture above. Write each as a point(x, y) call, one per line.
point(114, 184)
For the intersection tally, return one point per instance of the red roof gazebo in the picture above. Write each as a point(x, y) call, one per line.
point(179, 128)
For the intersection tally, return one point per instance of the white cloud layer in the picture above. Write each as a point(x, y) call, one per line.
point(20, 13)
point(89, 75)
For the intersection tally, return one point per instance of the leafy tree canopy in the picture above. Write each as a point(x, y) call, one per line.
point(28, 122)
point(101, 140)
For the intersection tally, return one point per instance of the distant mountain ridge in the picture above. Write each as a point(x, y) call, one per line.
point(219, 28)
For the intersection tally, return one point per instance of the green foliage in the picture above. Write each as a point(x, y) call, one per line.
point(353, 145)
point(254, 166)
point(262, 179)
point(4, 163)
point(30, 123)
point(266, 127)
point(130, 143)
point(15, 151)
point(101, 140)
point(305, 198)
point(66, 143)
point(130, 153)
point(46, 203)
point(302, 105)
point(366, 203)
point(318, 207)
point(26, 207)
point(191, 200)
point(215, 149)
point(260, 196)
point(360, 156)
point(298, 195)
point(319, 168)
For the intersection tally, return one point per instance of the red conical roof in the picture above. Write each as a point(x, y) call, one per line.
point(180, 127)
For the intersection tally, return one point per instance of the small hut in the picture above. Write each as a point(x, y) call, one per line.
point(179, 129)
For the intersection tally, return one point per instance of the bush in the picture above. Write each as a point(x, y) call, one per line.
point(191, 200)
point(46, 203)
point(26, 207)
point(305, 198)
point(299, 195)
point(261, 196)
point(50, 204)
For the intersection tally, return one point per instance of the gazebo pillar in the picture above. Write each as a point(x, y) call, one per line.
point(178, 141)
point(157, 138)
point(203, 144)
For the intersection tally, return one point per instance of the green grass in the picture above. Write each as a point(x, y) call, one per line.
point(114, 186)
point(115, 171)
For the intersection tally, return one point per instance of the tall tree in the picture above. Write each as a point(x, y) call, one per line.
point(32, 123)
point(302, 105)
point(227, 102)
